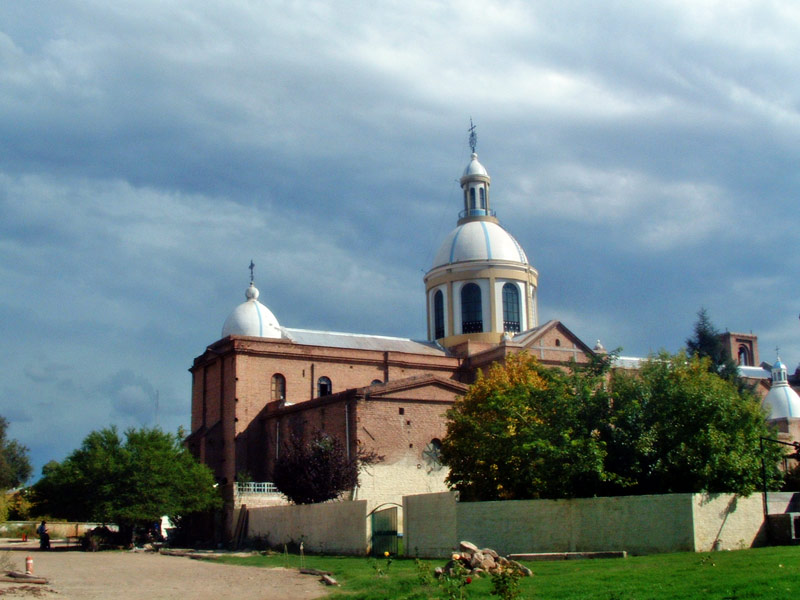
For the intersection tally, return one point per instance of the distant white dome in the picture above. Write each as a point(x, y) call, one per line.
point(251, 318)
point(475, 167)
point(782, 401)
point(479, 240)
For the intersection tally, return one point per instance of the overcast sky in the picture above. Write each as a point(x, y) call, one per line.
point(645, 155)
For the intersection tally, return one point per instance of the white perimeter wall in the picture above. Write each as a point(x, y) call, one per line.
point(732, 522)
point(435, 523)
point(332, 527)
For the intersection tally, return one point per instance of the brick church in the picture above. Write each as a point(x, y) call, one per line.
point(261, 383)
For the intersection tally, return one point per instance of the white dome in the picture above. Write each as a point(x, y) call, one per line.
point(479, 240)
point(251, 318)
point(782, 402)
point(475, 167)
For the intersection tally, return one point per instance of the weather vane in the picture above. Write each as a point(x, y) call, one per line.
point(473, 137)
point(251, 267)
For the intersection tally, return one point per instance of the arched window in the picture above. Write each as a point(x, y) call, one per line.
point(510, 308)
point(744, 356)
point(471, 310)
point(278, 387)
point(472, 198)
point(324, 387)
point(482, 197)
point(376, 382)
point(438, 315)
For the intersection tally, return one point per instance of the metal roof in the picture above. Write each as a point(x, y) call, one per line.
point(360, 341)
point(754, 372)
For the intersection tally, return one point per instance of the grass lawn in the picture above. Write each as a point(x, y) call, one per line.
point(769, 573)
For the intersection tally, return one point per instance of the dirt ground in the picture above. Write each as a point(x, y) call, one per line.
point(75, 575)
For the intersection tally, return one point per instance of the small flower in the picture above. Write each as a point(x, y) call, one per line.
point(469, 580)
point(456, 556)
point(386, 554)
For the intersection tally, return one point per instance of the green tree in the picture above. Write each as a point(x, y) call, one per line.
point(707, 343)
point(132, 481)
point(528, 431)
point(318, 469)
point(15, 466)
point(677, 427)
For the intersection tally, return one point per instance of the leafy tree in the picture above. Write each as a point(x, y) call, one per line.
point(318, 469)
point(528, 431)
point(677, 427)
point(131, 481)
point(15, 466)
point(707, 343)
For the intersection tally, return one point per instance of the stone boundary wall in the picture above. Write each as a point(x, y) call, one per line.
point(435, 523)
point(430, 524)
point(331, 527)
point(728, 522)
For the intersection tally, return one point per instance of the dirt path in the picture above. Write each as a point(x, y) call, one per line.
point(133, 575)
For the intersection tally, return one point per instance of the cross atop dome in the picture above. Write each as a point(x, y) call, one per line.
point(251, 267)
point(473, 137)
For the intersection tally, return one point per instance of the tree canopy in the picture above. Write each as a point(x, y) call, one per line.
point(15, 466)
point(678, 427)
point(318, 469)
point(706, 342)
point(529, 431)
point(132, 481)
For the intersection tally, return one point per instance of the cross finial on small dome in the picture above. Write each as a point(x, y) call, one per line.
point(251, 267)
point(473, 137)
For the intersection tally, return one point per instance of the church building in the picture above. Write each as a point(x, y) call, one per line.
point(262, 383)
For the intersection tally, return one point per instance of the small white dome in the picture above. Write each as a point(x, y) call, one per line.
point(782, 402)
point(475, 167)
point(251, 318)
point(479, 240)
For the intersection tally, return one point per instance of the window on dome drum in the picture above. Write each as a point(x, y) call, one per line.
point(438, 315)
point(472, 198)
point(471, 309)
point(510, 308)
point(278, 387)
point(482, 197)
point(324, 387)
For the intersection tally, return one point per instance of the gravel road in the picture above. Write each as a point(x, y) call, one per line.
point(74, 575)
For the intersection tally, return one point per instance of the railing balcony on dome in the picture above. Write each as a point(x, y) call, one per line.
point(477, 212)
point(256, 487)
